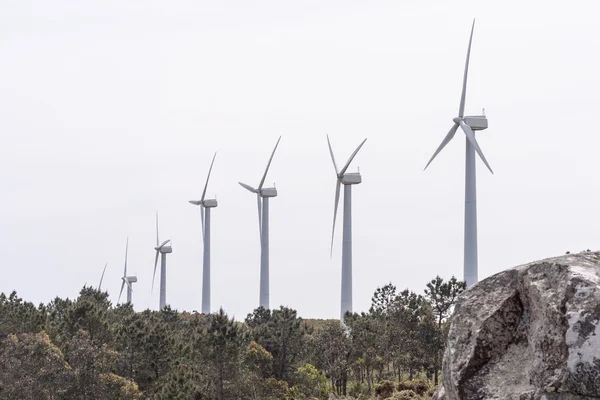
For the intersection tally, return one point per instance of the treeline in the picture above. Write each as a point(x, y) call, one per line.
point(89, 349)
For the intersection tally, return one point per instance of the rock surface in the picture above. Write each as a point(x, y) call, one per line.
point(528, 333)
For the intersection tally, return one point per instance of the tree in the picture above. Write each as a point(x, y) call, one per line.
point(180, 384)
point(89, 313)
point(91, 374)
point(32, 368)
point(332, 352)
point(258, 360)
point(384, 300)
point(442, 296)
point(311, 382)
point(223, 342)
point(17, 316)
point(282, 333)
point(365, 338)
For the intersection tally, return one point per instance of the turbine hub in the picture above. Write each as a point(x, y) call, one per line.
point(457, 120)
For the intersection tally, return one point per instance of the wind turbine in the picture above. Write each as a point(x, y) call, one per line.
point(127, 280)
point(205, 206)
point(347, 179)
point(468, 125)
point(102, 277)
point(163, 250)
point(262, 200)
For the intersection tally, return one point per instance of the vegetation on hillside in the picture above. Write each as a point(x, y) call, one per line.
point(89, 349)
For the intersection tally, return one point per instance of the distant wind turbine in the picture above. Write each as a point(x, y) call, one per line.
point(127, 280)
point(347, 179)
point(102, 277)
point(468, 125)
point(205, 206)
point(262, 200)
point(163, 250)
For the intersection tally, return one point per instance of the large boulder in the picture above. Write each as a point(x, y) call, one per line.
point(531, 332)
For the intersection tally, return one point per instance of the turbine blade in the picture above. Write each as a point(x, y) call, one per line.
point(102, 277)
point(259, 204)
point(332, 157)
point(202, 218)
point(471, 138)
point(126, 249)
point(195, 202)
point(343, 171)
point(157, 228)
point(164, 243)
point(262, 181)
point(247, 187)
point(461, 109)
point(154, 274)
point(335, 208)
point(121, 292)
point(208, 177)
point(446, 140)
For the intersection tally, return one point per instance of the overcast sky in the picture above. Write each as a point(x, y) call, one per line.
point(111, 110)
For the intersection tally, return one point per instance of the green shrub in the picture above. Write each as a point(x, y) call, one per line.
point(405, 395)
point(384, 389)
point(431, 391)
point(356, 389)
point(417, 386)
point(311, 382)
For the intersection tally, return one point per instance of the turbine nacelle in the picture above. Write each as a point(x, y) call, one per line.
point(268, 192)
point(131, 279)
point(208, 203)
point(165, 249)
point(475, 122)
point(351, 178)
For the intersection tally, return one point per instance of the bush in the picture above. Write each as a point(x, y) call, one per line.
point(419, 387)
point(404, 395)
point(384, 389)
point(311, 382)
point(356, 389)
point(431, 391)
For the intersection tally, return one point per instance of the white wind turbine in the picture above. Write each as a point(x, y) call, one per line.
point(347, 179)
point(262, 200)
point(205, 206)
point(468, 125)
point(127, 280)
point(163, 250)
point(102, 277)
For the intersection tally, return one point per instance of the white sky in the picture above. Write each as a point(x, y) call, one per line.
point(110, 110)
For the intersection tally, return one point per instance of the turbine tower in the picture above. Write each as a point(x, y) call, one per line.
point(347, 179)
point(127, 280)
point(262, 200)
point(102, 277)
point(163, 250)
point(205, 206)
point(469, 125)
